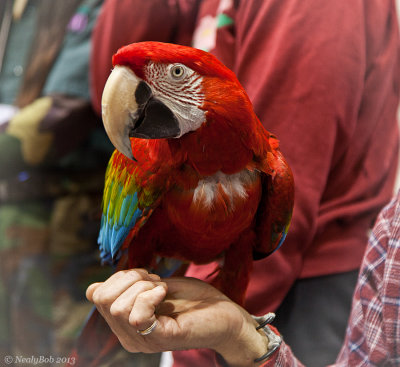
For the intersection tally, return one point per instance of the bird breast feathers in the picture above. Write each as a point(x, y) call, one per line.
point(228, 188)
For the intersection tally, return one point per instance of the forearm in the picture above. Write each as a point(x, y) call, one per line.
point(38, 134)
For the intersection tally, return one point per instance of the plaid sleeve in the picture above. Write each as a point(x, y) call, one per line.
point(374, 322)
point(283, 357)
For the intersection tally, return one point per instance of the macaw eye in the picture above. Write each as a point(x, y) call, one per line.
point(177, 71)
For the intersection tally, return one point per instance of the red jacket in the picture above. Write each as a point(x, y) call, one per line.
point(324, 77)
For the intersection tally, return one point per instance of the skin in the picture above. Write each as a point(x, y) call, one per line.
point(190, 314)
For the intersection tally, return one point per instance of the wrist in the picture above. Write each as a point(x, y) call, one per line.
point(245, 346)
point(253, 346)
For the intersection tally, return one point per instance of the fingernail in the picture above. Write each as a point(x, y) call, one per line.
point(154, 276)
point(159, 288)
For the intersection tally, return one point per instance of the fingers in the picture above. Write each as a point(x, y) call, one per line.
point(128, 300)
point(105, 293)
point(133, 301)
point(90, 290)
point(142, 315)
point(123, 305)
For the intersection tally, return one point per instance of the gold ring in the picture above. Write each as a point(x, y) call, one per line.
point(148, 330)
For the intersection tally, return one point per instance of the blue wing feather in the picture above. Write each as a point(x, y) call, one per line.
point(120, 208)
point(115, 227)
point(127, 203)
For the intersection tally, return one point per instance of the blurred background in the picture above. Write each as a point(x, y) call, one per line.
point(53, 155)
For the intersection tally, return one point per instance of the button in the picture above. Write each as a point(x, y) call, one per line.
point(18, 70)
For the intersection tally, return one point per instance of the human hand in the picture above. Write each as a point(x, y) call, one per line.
point(190, 314)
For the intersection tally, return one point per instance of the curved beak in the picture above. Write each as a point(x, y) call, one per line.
point(129, 109)
point(118, 103)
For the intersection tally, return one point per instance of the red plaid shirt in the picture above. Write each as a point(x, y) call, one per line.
point(373, 332)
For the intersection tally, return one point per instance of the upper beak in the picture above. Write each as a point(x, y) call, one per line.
point(129, 109)
point(117, 104)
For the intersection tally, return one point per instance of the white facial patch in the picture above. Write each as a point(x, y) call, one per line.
point(234, 186)
point(182, 94)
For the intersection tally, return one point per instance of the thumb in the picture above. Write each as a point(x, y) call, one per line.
point(90, 290)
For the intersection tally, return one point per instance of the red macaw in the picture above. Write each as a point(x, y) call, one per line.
point(195, 175)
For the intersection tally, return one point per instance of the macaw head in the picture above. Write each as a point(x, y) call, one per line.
point(160, 91)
